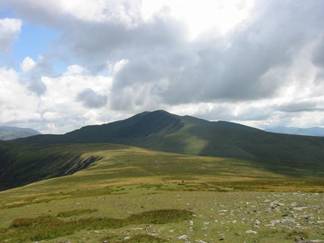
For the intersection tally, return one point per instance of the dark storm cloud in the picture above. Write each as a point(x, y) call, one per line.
point(90, 99)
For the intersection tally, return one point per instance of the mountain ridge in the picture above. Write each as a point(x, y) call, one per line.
point(45, 156)
point(160, 130)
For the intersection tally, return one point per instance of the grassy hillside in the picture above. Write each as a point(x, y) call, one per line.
point(250, 185)
point(23, 164)
point(138, 195)
point(163, 131)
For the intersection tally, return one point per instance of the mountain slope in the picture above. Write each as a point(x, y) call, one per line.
point(10, 133)
point(22, 164)
point(45, 156)
point(160, 130)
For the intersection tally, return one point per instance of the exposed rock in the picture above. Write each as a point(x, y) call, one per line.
point(299, 208)
point(183, 237)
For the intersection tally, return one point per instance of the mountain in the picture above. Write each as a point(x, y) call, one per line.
point(10, 133)
point(312, 131)
point(160, 130)
point(101, 191)
point(40, 157)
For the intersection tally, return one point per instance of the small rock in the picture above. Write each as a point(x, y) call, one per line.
point(251, 232)
point(183, 237)
point(299, 208)
point(309, 241)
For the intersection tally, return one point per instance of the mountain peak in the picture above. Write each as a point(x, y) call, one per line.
point(155, 115)
point(157, 112)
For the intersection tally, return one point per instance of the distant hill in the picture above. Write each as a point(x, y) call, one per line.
point(10, 133)
point(312, 131)
point(160, 130)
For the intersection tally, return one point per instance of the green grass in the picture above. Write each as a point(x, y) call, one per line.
point(49, 227)
point(140, 238)
point(75, 212)
point(138, 195)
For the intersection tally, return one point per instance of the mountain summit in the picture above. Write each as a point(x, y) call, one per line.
point(160, 130)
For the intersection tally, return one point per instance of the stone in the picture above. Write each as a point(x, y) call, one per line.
point(183, 237)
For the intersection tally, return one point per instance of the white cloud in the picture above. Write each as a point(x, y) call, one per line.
point(16, 102)
point(214, 17)
point(9, 30)
point(60, 105)
point(27, 64)
point(57, 110)
point(75, 70)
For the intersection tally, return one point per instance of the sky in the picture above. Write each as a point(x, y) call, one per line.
point(67, 64)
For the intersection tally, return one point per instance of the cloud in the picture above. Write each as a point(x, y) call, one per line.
point(91, 99)
point(65, 104)
point(9, 30)
point(56, 12)
point(268, 66)
point(318, 54)
point(248, 64)
point(32, 73)
point(27, 64)
point(302, 106)
point(16, 102)
point(56, 110)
